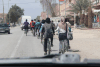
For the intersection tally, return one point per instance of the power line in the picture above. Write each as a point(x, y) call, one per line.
point(20, 3)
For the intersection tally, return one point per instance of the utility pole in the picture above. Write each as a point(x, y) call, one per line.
point(8, 11)
point(59, 8)
point(65, 8)
point(3, 10)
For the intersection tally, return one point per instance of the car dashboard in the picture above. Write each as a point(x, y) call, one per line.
point(51, 60)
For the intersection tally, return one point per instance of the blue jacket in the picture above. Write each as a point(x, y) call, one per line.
point(41, 28)
point(37, 25)
point(69, 29)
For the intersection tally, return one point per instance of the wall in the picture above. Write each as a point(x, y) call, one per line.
point(62, 7)
point(1, 16)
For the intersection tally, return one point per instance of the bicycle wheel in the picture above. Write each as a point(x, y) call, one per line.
point(49, 47)
point(33, 32)
point(26, 32)
point(38, 36)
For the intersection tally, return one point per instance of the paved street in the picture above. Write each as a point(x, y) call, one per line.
point(18, 45)
point(87, 42)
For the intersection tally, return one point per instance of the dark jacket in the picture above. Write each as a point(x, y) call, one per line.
point(46, 26)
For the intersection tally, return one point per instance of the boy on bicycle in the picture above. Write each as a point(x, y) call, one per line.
point(47, 29)
point(26, 25)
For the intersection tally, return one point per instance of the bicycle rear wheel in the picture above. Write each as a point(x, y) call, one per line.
point(33, 32)
point(49, 46)
point(26, 32)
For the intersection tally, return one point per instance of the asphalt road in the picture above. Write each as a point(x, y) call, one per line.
point(17, 44)
point(86, 43)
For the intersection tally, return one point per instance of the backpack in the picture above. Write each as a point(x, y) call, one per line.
point(49, 32)
point(33, 24)
point(53, 24)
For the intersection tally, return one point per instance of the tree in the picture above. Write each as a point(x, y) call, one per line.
point(78, 7)
point(47, 6)
point(86, 20)
point(90, 17)
point(15, 13)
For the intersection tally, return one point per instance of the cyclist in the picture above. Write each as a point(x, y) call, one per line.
point(38, 25)
point(32, 24)
point(47, 29)
point(42, 23)
point(62, 33)
point(26, 25)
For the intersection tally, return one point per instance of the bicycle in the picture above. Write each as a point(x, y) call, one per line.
point(26, 31)
point(49, 46)
point(38, 34)
point(33, 32)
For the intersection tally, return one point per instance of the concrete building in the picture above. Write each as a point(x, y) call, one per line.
point(1, 16)
point(68, 5)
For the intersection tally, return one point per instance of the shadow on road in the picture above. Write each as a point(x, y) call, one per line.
point(54, 50)
point(29, 35)
point(70, 50)
point(5, 33)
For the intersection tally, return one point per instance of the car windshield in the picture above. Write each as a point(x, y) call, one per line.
point(3, 25)
point(36, 28)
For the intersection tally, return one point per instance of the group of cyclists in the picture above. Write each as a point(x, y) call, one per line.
point(46, 29)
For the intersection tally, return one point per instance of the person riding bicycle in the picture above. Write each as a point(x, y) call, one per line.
point(47, 29)
point(38, 26)
point(62, 34)
point(32, 24)
point(26, 25)
point(42, 23)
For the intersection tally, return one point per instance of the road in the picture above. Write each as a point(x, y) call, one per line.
point(86, 43)
point(17, 44)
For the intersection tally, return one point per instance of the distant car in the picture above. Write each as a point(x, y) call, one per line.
point(4, 28)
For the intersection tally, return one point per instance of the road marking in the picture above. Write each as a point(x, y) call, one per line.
point(14, 52)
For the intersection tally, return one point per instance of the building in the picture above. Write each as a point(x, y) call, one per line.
point(96, 11)
point(68, 5)
point(38, 18)
point(1, 16)
point(43, 15)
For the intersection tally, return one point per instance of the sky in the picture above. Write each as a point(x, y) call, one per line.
point(31, 8)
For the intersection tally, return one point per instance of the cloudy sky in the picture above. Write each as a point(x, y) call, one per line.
point(32, 7)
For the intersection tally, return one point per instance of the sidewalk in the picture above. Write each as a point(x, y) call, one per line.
point(85, 28)
point(87, 42)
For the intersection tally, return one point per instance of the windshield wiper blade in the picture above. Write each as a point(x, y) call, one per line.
point(51, 56)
